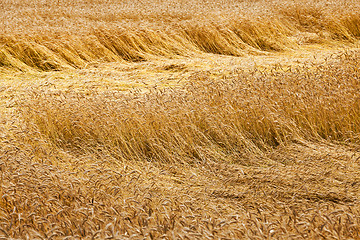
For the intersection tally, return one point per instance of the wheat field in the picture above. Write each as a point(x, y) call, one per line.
point(200, 119)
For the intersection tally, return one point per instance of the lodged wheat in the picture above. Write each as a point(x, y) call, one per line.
point(256, 152)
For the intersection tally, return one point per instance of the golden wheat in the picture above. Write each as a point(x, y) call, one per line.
point(71, 34)
point(259, 152)
point(255, 155)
